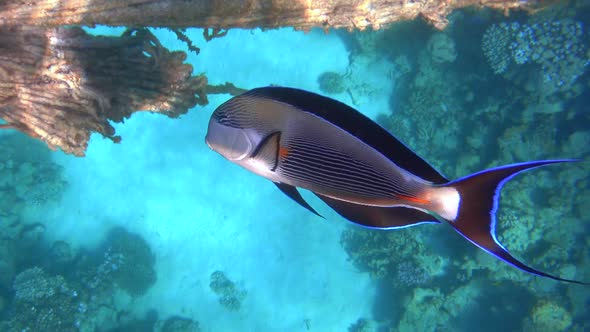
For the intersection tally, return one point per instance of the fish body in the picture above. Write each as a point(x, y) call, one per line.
point(299, 139)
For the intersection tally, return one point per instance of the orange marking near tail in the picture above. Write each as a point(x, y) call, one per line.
point(283, 152)
point(414, 199)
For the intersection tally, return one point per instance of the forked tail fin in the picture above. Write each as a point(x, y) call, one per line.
point(476, 219)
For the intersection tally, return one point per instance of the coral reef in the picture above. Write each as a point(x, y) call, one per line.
point(48, 286)
point(43, 303)
point(557, 47)
point(32, 183)
point(374, 251)
point(33, 284)
point(549, 316)
point(496, 45)
point(397, 256)
point(361, 325)
point(131, 260)
point(432, 309)
point(8, 260)
point(178, 324)
point(331, 82)
point(423, 311)
point(74, 291)
point(28, 179)
point(408, 274)
point(442, 48)
point(463, 117)
point(124, 259)
point(230, 295)
point(61, 253)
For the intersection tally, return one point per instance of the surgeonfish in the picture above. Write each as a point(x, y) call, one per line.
point(299, 139)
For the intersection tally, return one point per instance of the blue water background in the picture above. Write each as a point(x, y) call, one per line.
point(200, 214)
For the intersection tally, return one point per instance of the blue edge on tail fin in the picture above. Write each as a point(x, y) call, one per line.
point(476, 219)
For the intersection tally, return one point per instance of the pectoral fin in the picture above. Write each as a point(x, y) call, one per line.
point(268, 150)
point(294, 194)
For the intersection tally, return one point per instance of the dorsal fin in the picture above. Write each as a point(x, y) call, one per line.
point(355, 123)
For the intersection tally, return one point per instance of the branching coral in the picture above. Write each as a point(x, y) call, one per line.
point(557, 47)
point(495, 45)
point(43, 303)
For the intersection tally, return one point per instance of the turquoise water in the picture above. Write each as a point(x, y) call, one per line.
point(159, 226)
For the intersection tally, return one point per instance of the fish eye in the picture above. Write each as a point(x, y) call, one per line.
point(221, 117)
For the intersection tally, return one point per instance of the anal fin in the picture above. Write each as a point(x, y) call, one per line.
point(378, 217)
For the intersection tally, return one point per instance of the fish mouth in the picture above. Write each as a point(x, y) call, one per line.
point(208, 143)
point(232, 143)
